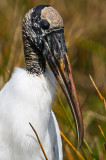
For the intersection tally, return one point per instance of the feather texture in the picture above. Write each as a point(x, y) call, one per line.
point(27, 98)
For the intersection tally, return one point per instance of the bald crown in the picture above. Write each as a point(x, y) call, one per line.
point(52, 16)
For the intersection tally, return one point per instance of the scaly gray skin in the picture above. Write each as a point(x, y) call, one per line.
point(43, 39)
point(32, 40)
point(35, 31)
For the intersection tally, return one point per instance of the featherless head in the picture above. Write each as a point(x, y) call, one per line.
point(39, 22)
point(43, 39)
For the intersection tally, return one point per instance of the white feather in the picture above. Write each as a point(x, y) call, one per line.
point(27, 98)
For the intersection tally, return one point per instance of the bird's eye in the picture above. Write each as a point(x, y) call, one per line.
point(44, 24)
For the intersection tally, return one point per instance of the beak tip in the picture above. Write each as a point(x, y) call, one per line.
point(80, 142)
point(81, 136)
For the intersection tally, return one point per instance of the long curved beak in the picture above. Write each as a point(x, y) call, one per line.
point(57, 58)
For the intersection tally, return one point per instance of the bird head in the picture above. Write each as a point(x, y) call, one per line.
point(43, 31)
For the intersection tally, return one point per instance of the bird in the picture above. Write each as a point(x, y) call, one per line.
point(28, 95)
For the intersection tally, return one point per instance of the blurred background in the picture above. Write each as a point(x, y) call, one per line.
point(85, 35)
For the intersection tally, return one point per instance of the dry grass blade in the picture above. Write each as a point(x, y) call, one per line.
point(105, 103)
point(100, 95)
point(79, 155)
point(102, 133)
point(39, 141)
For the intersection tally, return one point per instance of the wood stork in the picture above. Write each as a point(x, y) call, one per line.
point(28, 95)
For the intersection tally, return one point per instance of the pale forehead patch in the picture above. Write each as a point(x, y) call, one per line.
point(52, 16)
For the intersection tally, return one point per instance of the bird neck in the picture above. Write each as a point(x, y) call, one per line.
point(34, 59)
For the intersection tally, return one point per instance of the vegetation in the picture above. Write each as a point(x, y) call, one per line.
point(85, 34)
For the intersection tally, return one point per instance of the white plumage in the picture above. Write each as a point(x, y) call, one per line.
point(27, 98)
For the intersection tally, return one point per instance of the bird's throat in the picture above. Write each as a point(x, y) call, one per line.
point(34, 59)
